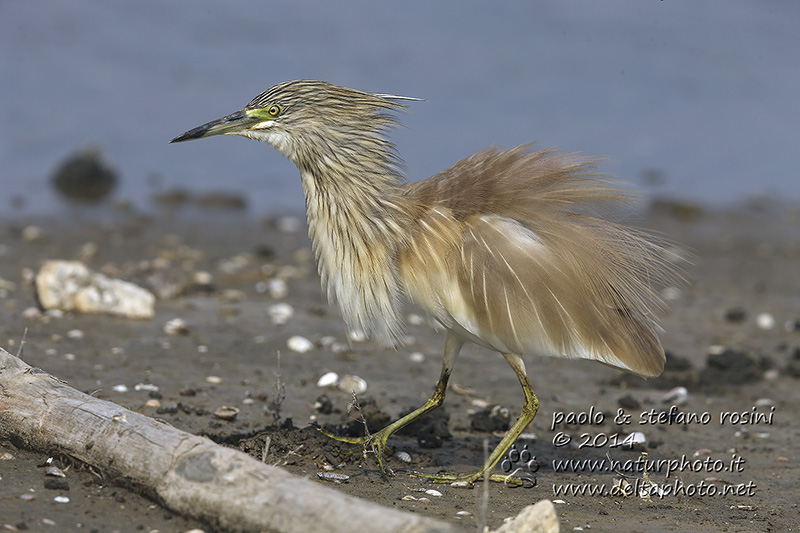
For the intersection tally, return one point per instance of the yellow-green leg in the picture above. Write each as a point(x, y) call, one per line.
point(526, 417)
point(378, 440)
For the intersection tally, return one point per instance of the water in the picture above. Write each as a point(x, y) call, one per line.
point(702, 95)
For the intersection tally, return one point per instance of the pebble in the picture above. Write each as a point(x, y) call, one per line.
point(299, 344)
point(203, 278)
point(676, 396)
point(120, 388)
point(75, 334)
point(280, 313)
point(152, 402)
point(289, 224)
point(32, 233)
point(6, 456)
point(765, 321)
point(28, 497)
point(764, 402)
point(214, 380)
point(277, 288)
point(350, 383)
point(31, 313)
point(176, 326)
point(417, 357)
point(72, 286)
point(462, 514)
point(433, 492)
point(147, 387)
point(462, 485)
point(61, 499)
point(635, 440)
point(329, 379)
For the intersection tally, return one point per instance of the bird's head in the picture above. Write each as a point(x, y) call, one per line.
point(309, 119)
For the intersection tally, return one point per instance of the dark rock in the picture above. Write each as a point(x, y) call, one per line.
point(85, 176)
point(434, 424)
point(736, 315)
point(733, 367)
point(491, 419)
point(54, 483)
point(628, 402)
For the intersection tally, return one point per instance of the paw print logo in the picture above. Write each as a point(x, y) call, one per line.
point(519, 466)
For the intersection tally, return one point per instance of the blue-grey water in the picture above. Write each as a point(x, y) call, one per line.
point(705, 94)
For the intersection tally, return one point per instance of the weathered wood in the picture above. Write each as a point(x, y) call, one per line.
point(188, 474)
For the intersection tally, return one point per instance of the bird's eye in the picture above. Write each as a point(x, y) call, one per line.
point(274, 110)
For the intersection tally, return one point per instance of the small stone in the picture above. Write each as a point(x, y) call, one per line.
point(56, 484)
point(491, 419)
point(736, 315)
point(323, 405)
point(765, 321)
point(280, 313)
point(417, 357)
point(75, 334)
point(31, 233)
point(433, 492)
point(329, 379)
point(61, 499)
point(214, 380)
point(277, 288)
point(152, 402)
point(676, 396)
point(349, 383)
point(147, 387)
point(31, 313)
point(120, 388)
point(176, 326)
point(628, 402)
point(299, 344)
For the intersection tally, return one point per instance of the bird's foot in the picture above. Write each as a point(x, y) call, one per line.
point(469, 480)
point(376, 442)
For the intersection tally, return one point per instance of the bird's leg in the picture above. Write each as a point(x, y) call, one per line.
point(526, 417)
point(451, 348)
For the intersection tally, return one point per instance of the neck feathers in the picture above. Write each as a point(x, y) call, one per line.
point(357, 221)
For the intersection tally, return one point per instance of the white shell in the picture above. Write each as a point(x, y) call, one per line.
point(355, 384)
point(299, 344)
point(765, 321)
point(676, 396)
point(280, 313)
point(328, 379)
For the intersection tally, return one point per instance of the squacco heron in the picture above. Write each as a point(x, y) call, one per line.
point(507, 249)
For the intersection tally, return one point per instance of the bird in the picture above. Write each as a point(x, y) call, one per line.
point(510, 249)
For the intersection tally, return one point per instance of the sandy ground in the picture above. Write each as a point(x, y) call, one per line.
point(744, 272)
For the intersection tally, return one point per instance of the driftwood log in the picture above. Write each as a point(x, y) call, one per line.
point(188, 474)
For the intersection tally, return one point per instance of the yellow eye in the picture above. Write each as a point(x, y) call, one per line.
point(274, 110)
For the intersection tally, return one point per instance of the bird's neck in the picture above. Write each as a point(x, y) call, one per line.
point(357, 221)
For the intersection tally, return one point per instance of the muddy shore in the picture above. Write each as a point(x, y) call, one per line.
point(732, 334)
